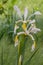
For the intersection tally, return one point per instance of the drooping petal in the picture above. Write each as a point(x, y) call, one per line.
point(25, 13)
point(20, 33)
point(35, 30)
point(16, 40)
point(33, 46)
point(37, 13)
point(16, 43)
point(18, 11)
point(31, 37)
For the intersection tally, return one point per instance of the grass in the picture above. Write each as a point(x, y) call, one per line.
point(10, 52)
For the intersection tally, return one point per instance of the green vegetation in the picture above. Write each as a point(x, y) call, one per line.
point(8, 53)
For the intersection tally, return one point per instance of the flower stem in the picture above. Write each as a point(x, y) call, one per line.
point(21, 50)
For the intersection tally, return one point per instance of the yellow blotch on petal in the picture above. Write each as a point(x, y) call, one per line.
point(34, 44)
point(24, 26)
point(16, 38)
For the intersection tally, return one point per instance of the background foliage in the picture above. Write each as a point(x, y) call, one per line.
point(8, 53)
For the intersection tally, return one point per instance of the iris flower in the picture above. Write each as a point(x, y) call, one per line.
point(28, 25)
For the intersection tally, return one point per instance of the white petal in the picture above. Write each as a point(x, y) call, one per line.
point(16, 43)
point(33, 48)
point(37, 13)
point(31, 37)
point(16, 27)
point(32, 21)
point(14, 30)
point(20, 58)
point(27, 32)
point(18, 11)
point(31, 27)
point(35, 30)
point(24, 21)
point(20, 33)
point(25, 13)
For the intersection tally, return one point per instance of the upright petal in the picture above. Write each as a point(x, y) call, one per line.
point(18, 11)
point(25, 13)
point(37, 13)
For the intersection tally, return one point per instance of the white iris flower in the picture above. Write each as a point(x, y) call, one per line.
point(31, 26)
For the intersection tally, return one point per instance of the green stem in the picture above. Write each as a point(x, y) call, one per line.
point(19, 55)
point(21, 50)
